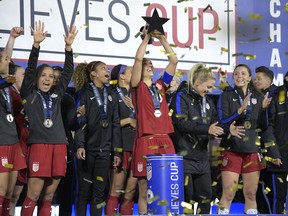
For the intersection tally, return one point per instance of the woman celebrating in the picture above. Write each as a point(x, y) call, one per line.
point(46, 141)
point(99, 135)
point(241, 108)
point(195, 119)
point(123, 175)
point(153, 122)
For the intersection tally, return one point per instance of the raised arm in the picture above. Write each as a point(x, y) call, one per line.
point(14, 33)
point(137, 68)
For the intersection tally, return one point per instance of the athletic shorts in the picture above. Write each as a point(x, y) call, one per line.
point(240, 162)
point(126, 160)
point(12, 158)
point(153, 144)
point(47, 160)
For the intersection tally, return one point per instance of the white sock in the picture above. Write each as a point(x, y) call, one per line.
point(252, 211)
point(223, 211)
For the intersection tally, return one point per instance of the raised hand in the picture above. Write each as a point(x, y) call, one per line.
point(39, 33)
point(16, 32)
point(69, 38)
point(266, 101)
point(244, 104)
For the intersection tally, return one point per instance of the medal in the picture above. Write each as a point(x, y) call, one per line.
point(157, 113)
point(9, 118)
point(48, 123)
point(247, 125)
point(104, 123)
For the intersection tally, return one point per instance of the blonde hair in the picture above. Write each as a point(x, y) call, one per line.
point(199, 72)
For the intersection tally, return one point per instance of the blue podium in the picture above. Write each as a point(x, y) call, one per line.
point(165, 184)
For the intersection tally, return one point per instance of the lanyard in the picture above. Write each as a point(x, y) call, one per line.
point(47, 105)
point(6, 94)
point(121, 94)
point(155, 96)
point(102, 106)
point(203, 110)
point(248, 110)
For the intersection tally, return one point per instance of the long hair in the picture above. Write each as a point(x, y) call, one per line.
point(81, 75)
point(201, 73)
point(250, 84)
point(13, 68)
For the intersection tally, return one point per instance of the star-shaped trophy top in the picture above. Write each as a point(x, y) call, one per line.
point(155, 22)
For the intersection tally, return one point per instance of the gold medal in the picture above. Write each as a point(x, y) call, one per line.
point(247, 125)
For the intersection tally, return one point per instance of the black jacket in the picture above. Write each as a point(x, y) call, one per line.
point(191, 134)
point(91, 135)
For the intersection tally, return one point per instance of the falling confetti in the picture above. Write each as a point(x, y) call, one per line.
point(113, 82)
point(255, 16)
point(84, 26)
point(249, 56)
point(137, 35)
point(212, 38)
point(162, 203)
point(146, 4)
point(118, 149)
point(100, 205)
point(241, 20)
point(170, 112)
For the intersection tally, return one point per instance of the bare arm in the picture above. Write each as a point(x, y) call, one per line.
point(137, 68)
point(14, 33)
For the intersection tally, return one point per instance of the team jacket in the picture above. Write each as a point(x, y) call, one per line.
point(278, 120)
point(38, 133)
point(127, 132)
point(228, 103)
point(191, 134)
point(8, 132)
point(91, 135)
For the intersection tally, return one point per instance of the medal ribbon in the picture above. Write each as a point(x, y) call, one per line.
point(6, 94)
point(203, 110)
point(47, 105)
point(121, 94)
point(155, 96)
point(102, 106)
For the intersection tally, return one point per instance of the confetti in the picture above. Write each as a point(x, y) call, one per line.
point(269, 144)
point(170, 112)
point(99, 178)
point(218, 28)
point(152, 199)
point(255, 39)
point(153, 147)
point(249, 56)
point(146, 4)
point(24, 101)
point(192, 18)
point(87, 180)
point(147, 52)
point(195, 47)
point(241, 20)
point(84, 26)
point(183, 153)
point(145, 158)
point(78, 12)
point(267, 190)
point(162, 203)
point(212, 38)
point(137, 35)
point(118, 149)
point(255, 16)
point(186, 181)
point(220, 148)
point(113, 82)
point(214, 183)
point(75, 55)
point(186, 205)
point(247, 164)
point(216, 154)
point(185, 117)
point(280, 180)
point(228, 11)
point(100, 205)
point(9, 166)
point(185, 9)
point(286, 7)
point(237, 54)
point(172, 45)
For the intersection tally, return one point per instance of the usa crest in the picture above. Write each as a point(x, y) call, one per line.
point(35, 166)
point(140, 166)
point(4, 161)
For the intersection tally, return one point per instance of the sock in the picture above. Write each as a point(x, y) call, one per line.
point(28, 207)
point(111, 205)
point(44, 208)
point(126, 207)
point(252, 211)
point(2, 198)
point(5, 207)
point(223, 211)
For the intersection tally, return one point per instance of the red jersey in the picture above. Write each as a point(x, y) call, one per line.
point(21, 123)
point(147, 122)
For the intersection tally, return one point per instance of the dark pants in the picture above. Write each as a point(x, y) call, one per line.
point(92, 180)
point(199, 189)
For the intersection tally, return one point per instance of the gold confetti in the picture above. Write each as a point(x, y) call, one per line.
point(152, 199)
point(147, 52)
point(137, 35)
point(185, 9)
point(249, 56)
point(84, 26)
point(9, 166)
point(195, 117)
point(286, 7)
point(99, 178)
point(113, 82)
point(216, 154)
point(214, 183)
point(100, 205)
point(269, 159)
point(212, 38)
point(153, 147)
point(145, 158)
point(241, 20)
point(170, 112)
point(220, 148)
point(192, 18)
point(255, 39)
point(186, 46)
point(24, 101)
point(267, 190)
point(118, 149)
point(146, 4)
point(218, 28)
point(195, 47)
point(255, 16)
point(183, 153)
point(228, 10)
point(168, 53)
point(237, 54)
point(247, 164)
point(186, 205)
point(162, 203)
point(185, 117)
point(269, 144)
point(172, 45)
point(223, 49)
point(186, 181)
